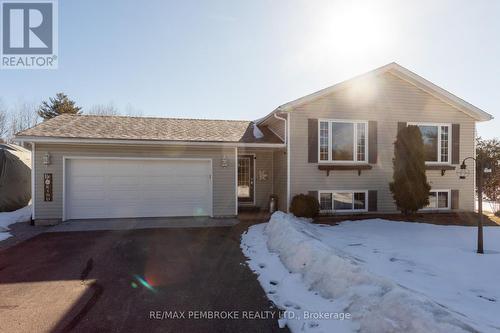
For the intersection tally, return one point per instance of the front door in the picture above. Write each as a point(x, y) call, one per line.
point(245, 179)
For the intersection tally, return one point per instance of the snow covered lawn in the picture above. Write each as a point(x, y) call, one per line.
point(384, 276)
point(489, 206)
point(8, 218)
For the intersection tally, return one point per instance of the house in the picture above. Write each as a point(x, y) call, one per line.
point(336, 144)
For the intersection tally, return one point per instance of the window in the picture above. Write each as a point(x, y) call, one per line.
point(439, 199)
point(342, 201)
point(436, 139)
point(343, 141)
point(361, 141)
point(325, 201)
point(323, 141)
point(347, 201)
point(444, 143)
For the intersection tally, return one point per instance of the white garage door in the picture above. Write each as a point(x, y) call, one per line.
point(114, 188)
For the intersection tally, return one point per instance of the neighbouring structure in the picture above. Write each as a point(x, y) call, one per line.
point(336, 144)
point(15, 177)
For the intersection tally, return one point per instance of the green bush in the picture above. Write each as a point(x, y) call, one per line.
point(409, 188)
point(305, 206)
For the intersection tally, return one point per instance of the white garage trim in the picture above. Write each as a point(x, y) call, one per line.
point(33, 178)
point(64, 204)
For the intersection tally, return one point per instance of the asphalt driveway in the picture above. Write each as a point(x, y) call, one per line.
point(132, 281)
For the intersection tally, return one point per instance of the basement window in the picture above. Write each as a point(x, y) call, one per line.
point(343, 201)
point(438, 199)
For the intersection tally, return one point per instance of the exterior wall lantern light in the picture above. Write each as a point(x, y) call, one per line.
point(46, 158)
point(223, 161)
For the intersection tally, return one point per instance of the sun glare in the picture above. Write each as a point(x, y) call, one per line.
point(354, 30)
point(344, 32)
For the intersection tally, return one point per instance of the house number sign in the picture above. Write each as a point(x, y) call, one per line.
point(47, 187)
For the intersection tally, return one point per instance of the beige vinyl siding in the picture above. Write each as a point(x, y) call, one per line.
point(277, 126)
point(264, 162)
point(280, 177)
point(387, 99)
point(224, 184)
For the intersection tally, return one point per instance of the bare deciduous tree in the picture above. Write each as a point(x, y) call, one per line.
point(103, 110)
point(132, 111)
point(3, 122)
point(22, 117)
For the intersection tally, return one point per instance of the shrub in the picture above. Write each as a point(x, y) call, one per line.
point(409, 188)
point(305, 206)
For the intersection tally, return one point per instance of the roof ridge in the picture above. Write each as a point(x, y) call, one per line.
point(153, 117)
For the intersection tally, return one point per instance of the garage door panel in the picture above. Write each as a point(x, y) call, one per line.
point(102, 188)
point(175, 180)
point(124, 180)
point(177, 201)
point(87, 196)
point(168, 197)
point(88, 180)
point(114, 190)
point(168, 189)
point(86, 168)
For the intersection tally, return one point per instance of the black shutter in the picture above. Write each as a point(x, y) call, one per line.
point(372, 142)
point(454, 199)
point(401, 125)
point(312, 140)
point(313, 194)
point(455, 143)
point(372, 201)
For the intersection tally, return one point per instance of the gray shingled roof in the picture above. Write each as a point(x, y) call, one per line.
point(145, 128)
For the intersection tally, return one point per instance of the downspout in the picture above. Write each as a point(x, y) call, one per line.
point(32, 182)
point(287, 132)
point(236, 181)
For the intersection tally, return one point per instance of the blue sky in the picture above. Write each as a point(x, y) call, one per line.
point(241, 59)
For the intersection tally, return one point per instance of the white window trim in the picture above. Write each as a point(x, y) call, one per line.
point(355, 144)
point(438, 125)
point(332, 192)
point(448, 204)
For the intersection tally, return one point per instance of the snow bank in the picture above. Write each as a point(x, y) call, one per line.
point(488, 206)
point(376, 303)
point(8, 218)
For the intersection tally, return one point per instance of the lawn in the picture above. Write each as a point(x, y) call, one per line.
point(388, 276)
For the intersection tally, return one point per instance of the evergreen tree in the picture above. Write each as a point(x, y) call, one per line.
point(56, 106)
point(409, 188)
point(488, 152)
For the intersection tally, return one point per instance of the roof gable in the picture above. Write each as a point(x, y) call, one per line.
point(404, 74)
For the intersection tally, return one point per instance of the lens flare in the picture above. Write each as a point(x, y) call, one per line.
point(199, 212)
point(144, 283)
